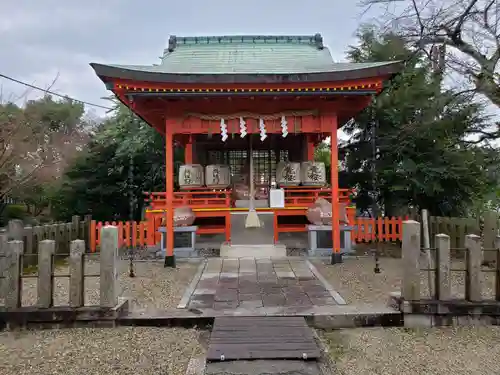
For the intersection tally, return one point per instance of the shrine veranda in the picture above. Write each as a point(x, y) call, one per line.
point(238, 101)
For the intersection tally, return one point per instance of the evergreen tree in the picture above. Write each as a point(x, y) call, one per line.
point(424, 157)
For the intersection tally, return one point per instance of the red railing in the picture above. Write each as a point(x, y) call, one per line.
point(301, 196)
point(208, 198)
point(382, 229)
point(144, 233)
point(194, 198)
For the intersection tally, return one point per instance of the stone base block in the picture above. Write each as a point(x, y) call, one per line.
point(336, 258)
point(319, 253)
point(183, 252)
point(256, 251)
point(170, 261)
point(418, 321)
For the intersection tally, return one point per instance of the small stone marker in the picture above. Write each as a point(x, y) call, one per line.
point(14, 270)
point(411, 256)
point(474, 260)
point(46, 250)
point(443, 282)
point(109, 260)
point(76, 273)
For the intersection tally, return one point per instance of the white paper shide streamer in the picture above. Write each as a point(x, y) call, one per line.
point(262, 128)
point(223, 130)
point(243, 128)
point(284, 126)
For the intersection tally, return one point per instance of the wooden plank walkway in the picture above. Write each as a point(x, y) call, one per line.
point(241, 338)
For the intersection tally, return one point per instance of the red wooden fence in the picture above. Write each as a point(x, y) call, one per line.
point(134, 234)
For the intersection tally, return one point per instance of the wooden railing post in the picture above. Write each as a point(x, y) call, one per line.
point(473, 267)
point(442, 284)
point(109, 262)
point(410, 257)
point(76, 273)
point(46, 251)
point(14, 271)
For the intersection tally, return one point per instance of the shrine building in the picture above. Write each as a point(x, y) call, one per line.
point(249, 112)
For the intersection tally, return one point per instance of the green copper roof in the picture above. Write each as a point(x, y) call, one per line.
point(247, 55)
point(246, 59)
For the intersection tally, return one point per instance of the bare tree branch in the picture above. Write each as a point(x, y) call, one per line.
point(470, 27)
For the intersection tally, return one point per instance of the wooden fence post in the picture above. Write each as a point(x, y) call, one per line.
point(28, 233)
point(46, 251)
point(443, 265)
point(75, 228)
point(76, 274)
point(473, 267)
point(4, 261)
point(15, 230)
point(14, 271)
point(87, 237)
point(490, 232)
point(109, 261)
point(497, 266)
point(411, 265)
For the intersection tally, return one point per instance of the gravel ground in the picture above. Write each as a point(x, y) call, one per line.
point(113, 351)
point(446, 351)
point(122, 350)
point(357, 283)
point(153, 287)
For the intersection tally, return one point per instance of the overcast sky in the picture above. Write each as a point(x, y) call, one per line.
point(42, 39)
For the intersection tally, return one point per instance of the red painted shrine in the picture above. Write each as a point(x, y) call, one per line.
point(238, 101)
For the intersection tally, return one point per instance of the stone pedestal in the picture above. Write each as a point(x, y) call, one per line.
point(320, 240)
point(184, 242)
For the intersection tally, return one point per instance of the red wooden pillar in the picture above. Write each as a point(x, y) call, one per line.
point(169, 192)
point(333, 125)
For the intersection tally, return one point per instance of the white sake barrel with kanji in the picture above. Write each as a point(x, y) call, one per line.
point(288, 173)
point(217, 176)
point(191, 176)
point(313, 173)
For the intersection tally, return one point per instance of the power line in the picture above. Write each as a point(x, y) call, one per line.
point(53, 93)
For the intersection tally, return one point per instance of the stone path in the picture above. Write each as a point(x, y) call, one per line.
point(251, 283)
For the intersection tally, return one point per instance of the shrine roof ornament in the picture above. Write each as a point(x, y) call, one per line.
point(246, 59)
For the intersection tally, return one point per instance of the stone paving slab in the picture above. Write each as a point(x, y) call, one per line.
point(249, 283)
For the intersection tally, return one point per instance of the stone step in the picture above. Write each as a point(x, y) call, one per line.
point(263, 367)
point(255, 251)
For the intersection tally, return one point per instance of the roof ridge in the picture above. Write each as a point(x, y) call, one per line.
point(314, 40)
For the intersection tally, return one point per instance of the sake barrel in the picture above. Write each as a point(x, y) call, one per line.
point(288, 173)
point(191, 176)
point(313, 173)
point(217, 176)
point(183, 216)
